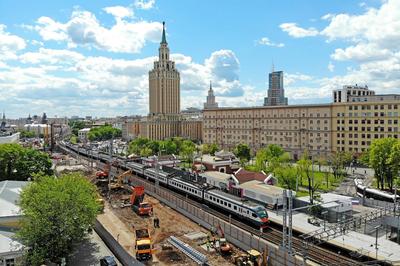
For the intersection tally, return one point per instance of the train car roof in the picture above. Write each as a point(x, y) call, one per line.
point(193, 184)
point(233, 198)
point(160, 172)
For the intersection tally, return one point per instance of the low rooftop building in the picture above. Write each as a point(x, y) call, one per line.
point(224, 162)
point(10, 213)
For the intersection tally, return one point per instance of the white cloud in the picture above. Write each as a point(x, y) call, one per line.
point(266, 41)
point(297, 32)
point(119, 11)
point(9, 44)
point(331, 67)
point(83, 29)
point(144, 4)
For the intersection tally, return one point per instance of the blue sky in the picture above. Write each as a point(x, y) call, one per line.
point(92, 57)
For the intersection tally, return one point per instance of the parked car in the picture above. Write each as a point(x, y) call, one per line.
point(108, 261)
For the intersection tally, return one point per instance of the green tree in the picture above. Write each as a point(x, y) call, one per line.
point(105, 132)
point(27, 134)
point(187, 150)
point(287, 176)
point(210, 148)
point(242, 151)
point(305, 169)
point(261, 159)
point(57, 215)
point(169, 146)
point(76, 125)
point(18, 163)
point(338, 161)
point(136, 145)
point(384, 158)
point(146, 152)
point(154, 146)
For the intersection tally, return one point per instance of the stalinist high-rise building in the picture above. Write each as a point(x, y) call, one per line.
point(164, 119)
point(164, 83)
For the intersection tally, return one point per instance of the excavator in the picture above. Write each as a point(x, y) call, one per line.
point(136, 201)
point(224, 247)
point(104, 173)
point(120, 178)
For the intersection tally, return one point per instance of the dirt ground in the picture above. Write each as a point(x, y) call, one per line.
point(121, 222)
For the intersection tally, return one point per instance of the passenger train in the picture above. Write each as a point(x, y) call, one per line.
point(373, 193)
point(177, 180)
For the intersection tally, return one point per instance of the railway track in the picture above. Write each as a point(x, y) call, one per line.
point(316, 254)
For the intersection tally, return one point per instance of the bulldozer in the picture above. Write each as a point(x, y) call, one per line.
point(251, 258)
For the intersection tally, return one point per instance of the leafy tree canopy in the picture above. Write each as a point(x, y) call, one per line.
point(57, 214)
point(104, 133)
point(19, 163)
point(242, 151)
point(27, 134)
point(76, 125)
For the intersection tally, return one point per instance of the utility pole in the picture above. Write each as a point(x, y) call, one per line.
point(376, 241)
point(110, 162)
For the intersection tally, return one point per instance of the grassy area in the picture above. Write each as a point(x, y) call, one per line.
point(321, 179)
point(301, 193)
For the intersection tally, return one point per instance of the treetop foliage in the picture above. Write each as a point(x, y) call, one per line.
point(105, 132)
point(57, 215)
point(19, 163)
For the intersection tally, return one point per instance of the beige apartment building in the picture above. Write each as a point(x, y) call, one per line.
point(320, 128)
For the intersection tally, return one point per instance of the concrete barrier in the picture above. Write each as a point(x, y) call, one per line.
point(115, 247)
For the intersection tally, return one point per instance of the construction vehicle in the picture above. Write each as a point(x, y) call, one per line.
point(120, 178)
point(224, 247)
point(138, 205)
point(251, 258)
point(105, 172)
point(143, 246)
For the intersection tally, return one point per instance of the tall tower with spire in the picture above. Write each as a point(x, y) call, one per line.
point(164, 83)
point(210, 103)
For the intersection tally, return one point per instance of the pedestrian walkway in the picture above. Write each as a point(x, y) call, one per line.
point(117, 229)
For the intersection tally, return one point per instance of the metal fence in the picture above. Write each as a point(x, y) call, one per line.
point(238, 237)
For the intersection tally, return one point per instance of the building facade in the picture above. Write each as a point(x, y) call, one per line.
point(165, 119)
point(321, 128)
point(210, 103)
point(276, 92)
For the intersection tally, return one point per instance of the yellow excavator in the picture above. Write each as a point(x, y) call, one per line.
point(120, 178)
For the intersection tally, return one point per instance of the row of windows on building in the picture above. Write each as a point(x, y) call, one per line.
point(376, 107)
point(377, 129)
point(368, 121)
point(250, 116)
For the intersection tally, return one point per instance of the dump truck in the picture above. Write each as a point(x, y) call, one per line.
point(143, 246)
point(138, 205)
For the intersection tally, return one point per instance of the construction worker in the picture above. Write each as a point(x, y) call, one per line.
point(156, 222)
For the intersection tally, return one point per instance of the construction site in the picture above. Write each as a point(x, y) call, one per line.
point(148, 229)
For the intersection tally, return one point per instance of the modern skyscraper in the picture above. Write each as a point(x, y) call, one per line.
point(276, 93)
point(164, 83)
point(210, 99)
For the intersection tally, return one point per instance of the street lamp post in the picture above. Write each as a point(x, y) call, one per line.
point(376, 240)
point(324, 213)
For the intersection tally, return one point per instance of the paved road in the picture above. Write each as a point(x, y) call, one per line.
point(90, 252)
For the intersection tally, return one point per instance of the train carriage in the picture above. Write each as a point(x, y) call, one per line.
point(154, 174)
point(186, 187)
point(244, 209)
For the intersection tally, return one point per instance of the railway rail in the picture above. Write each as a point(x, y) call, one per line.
point(314, 253)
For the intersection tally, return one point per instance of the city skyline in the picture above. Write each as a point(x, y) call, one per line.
point(71, 58)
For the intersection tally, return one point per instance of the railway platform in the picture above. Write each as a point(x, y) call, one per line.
point(361, 243)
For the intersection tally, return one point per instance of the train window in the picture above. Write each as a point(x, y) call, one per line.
point(225, 203)
point(234, 207)
point(217, 200)
point(254, 215)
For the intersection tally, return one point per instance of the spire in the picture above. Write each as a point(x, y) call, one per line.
point(163, 40)
point(273, 66)
point(210, 86)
